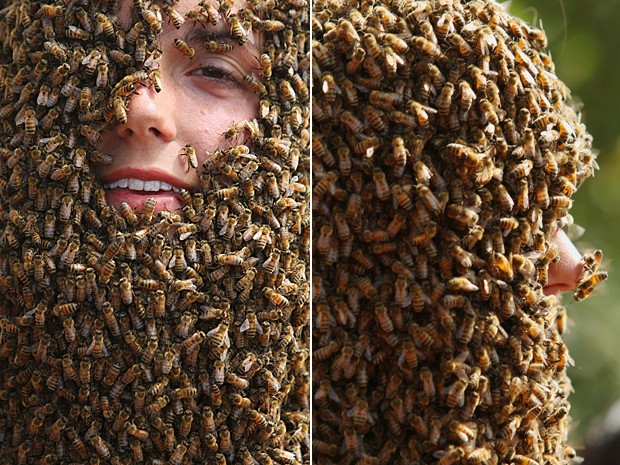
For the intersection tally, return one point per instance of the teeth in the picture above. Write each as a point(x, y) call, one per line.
point(152, 186)
point(136, 184)
point(140, 185)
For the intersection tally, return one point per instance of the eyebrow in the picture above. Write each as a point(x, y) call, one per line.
point(221, 33)
point(202, 34)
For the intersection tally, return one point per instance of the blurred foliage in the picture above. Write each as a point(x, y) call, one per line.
point(584, 40)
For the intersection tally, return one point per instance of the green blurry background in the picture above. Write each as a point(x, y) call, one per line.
point(584, 40)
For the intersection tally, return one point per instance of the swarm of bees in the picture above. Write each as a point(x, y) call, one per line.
point(445, 151)
point(134, 337)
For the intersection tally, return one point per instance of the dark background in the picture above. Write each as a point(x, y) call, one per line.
point(584, 40)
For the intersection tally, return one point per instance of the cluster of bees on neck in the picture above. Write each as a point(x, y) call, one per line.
point(133, 337)
point(445, 151)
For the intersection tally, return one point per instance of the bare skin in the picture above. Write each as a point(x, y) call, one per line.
point(200, 99)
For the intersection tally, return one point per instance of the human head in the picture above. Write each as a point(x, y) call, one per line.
point(446, 153)
point(201, 99)
point(157, 334)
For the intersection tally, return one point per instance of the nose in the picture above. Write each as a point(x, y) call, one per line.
point(149, 115)
point(565, 273)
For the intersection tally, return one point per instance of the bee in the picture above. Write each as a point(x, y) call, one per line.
point(451, 456)
point(74, 32)
point(357, 58)
point(328, 87)
point(591, 261)
point(255, 85)
point(140, 52)
point(215, 46)
point(445, 99)
point(275, 298)
point(237, 30)
point(287, 92)
point(91, 134)
point(189, 152)
point(523, 460)
point(126, 293)
point(272, 186)
point(385, 100)
point(183, 47)
point(351, 121)
point(173, 16)
point(97, 348)
point(177, 456)
point(560, 201)
point(455, 394)
point(153, 18)
point(587, 285)
point(383, 318)
point(120, 110)
point(102, 75)
point(300, 87)
point(30, 121)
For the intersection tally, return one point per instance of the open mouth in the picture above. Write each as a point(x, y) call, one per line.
point(135, 193)
point(140, 185)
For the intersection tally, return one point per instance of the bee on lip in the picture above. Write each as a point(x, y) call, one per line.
point(144, 336)
point(438, 176)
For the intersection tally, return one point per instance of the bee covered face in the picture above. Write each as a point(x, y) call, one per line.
point(171, 132)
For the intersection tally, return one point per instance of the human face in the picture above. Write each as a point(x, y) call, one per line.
point(200, 99)
point(564, 275)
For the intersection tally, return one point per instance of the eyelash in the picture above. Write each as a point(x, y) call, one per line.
point(219, 73)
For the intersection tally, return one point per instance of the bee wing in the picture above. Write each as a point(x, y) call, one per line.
point(533, 255)
point(574, 231)
point(247, 363)
point(185, 235)
point(21, 119)
point(90, 348)
point(259, 328)
point(213, 331)
point(249, 33)
point(172, 262)
point(257, 236)
point(245, 326)
point(223, 230)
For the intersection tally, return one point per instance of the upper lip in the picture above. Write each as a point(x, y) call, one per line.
point(150, 174)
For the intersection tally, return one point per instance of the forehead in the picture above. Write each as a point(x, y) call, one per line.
point(181, 6)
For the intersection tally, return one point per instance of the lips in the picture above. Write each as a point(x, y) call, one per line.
point(134, 186)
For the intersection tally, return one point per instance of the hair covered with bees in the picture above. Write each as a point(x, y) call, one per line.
point(445, 152)
point(168, 338)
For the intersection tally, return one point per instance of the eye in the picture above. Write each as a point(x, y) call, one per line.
point(216, 72)
point(219, 76)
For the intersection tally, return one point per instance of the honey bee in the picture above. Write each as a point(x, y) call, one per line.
point(523, 460)
point(189, 152)
point(451, 456)
point(591, 261)
point(237, 30)
point(560, 201)
point(29, 120)
point(586, 286)
point(357, 58)
point(215, 46)
point(152, 17)
point(183, 47)
point(275, 298)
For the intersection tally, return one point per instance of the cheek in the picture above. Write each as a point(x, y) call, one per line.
point(209, 125)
